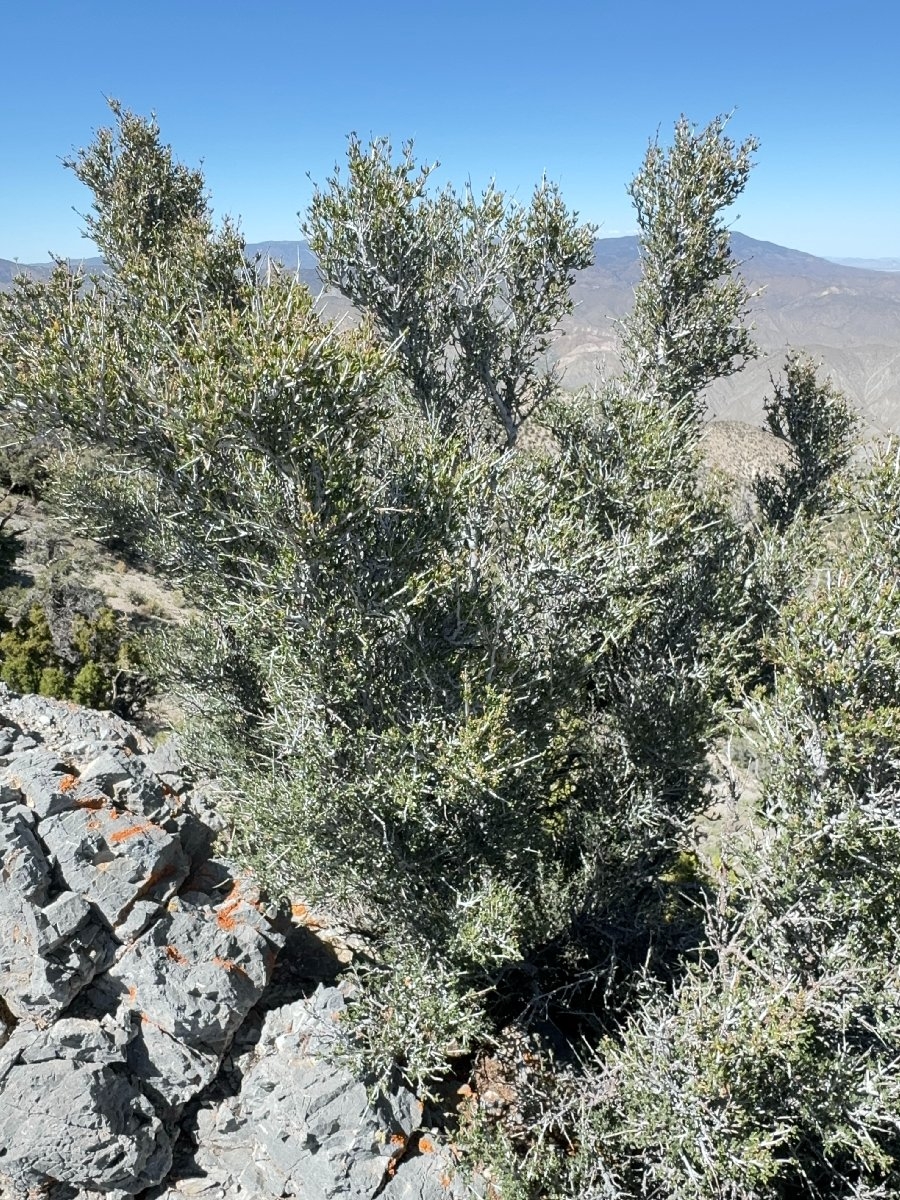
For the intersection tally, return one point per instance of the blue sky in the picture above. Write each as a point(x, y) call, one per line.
point(264, 93)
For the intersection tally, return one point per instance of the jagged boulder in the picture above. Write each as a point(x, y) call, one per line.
point(302, 1124)
point(119, 996)
point(72, 1114)
point(192, 979)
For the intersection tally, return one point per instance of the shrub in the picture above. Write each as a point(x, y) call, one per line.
point(10, 543)
point(53, 682)
point(105, 504)
point(771, 1068)
point(463, 691)
point(79, 658)
point(90, 686)
point(815, 420)
point(23, 460)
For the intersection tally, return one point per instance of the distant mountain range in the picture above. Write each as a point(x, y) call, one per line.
point(869, 264)
point(846, 315)
point(9, 269)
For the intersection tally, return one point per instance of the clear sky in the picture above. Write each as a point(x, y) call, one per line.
point(265, 91)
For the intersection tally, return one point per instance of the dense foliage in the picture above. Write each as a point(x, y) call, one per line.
point(462, 684)
point(58, 638)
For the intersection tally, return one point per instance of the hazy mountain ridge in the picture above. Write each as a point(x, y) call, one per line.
point(870, 264)
point(10, 268)
point(848, 316)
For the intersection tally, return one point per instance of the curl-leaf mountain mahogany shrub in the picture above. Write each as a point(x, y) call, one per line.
point(771, 1068)
point(813, 418)
point(469, 289)
point(460, 691)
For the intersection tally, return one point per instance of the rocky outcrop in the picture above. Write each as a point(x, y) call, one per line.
point(148, 1045)
point(301, 1126)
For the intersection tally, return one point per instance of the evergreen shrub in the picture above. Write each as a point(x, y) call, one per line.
point(461, 687)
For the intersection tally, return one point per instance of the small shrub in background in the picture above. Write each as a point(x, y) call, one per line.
point(23, 458)
point(84, 663)
point(28, 652)
point(57, 638)
point(816, 422)
point(10, 543)
point(106, 504)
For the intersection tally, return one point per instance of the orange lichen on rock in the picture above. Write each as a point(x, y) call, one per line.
point(302, 914)
point(228, 964)
point(176, 956)
point(122, 835)
point(398, 1139)
point(246, 887)
point(225, 915)
point(132, 994)
point(67, 783)
point(426, 1145)
point(92, 802)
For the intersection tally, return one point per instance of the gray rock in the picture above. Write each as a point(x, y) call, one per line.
point(24, 742)
point(224, 965)
point(49, 949)
point(72, 1114)
point(302, 1124)
point(45, 782)
point(128, 779)
point(24, 869)
point(197, 1188)
point(8, 735)
point(204, 806)
point(166, 762)
point(170, 1070)
point(9, 796)
point(113, 858)
point(108, 768)
point(142, 915)
point(192, 978)
point(430, 1176)
point(195, 835)
point(211, 876)
point(7, 1025)
point(113, 906)
point(66, 727)
point(49, 955)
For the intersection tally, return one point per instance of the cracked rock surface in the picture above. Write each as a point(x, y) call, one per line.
point(300, 1126)
point(146, 1047)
